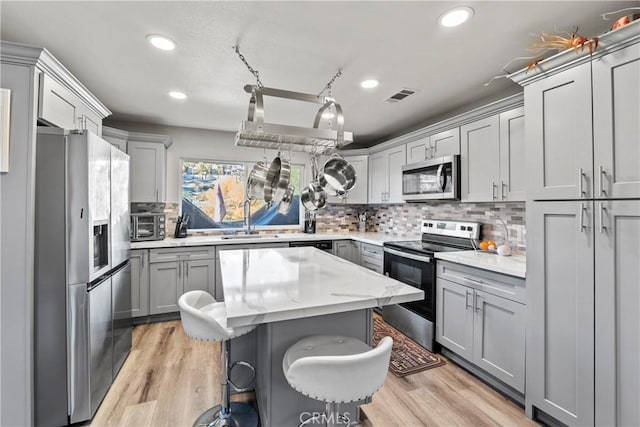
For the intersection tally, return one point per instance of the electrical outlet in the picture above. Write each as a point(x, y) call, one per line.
point(390, 222)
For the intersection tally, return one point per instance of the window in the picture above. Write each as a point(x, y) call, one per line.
point(213, 197)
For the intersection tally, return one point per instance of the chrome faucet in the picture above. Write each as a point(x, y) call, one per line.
point(247, 217)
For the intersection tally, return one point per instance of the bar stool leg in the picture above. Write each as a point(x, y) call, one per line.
point(332, 413)
point(227, 414)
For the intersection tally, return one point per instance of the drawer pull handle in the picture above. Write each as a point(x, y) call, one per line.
point(471, 279)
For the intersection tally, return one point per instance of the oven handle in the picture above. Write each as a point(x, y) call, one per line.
point(407, 255)
point(439, 178)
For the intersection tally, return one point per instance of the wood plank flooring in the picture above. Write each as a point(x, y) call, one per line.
point(169, 380)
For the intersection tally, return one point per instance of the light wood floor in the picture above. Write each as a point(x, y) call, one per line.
point(169, 379)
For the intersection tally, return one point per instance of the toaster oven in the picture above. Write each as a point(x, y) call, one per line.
point(147, 226)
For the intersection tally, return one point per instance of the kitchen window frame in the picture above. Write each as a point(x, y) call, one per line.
point(248, 165)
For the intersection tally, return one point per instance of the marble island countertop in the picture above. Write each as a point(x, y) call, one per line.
point(515, 265)
point(366, 237)
point(270, 285)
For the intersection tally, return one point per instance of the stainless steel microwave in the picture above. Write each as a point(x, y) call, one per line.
point(147, 226)
point(434, 179)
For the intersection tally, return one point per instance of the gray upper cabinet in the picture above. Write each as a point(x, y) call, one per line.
point(385, 175)
point(57, 105)
point(454, 317)
point(616, 124)
point(441, 144)
point(139, 282)
point(445, 143)
point(147, 171)
point(559, 137)
point(480, 160)
point(512, 164)
point(358, 194)
point(116, 137)
point(560, 336)
point(60, 107)
point(418, 150)
point(617, 296)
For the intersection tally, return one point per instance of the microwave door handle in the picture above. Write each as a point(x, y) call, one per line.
point(439, 179)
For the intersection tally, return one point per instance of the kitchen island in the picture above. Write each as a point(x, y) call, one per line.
point(292, 293)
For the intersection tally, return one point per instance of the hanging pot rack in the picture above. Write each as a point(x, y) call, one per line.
point(255, 132)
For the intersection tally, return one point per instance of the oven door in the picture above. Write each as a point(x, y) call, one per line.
point(431, 179)
point(416, 270)
point(146, 227)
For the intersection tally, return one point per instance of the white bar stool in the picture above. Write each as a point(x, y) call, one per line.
point(336, 369)
point(205, 319)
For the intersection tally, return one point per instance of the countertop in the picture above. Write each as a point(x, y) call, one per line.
point(270, 285)
point(515, 265)
point(367, 237)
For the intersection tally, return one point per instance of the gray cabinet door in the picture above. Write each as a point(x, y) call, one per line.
point(355, 252)
point(512, 164)
point(616, 123)
point(139, 283)
point(200, 275)
point(165, 286)
point(147, 166)
point(617, 296)
point(342, 249)
point(418, 150)
point(396, 159)
point(454, 317)
point(560, 339)
point(480, 160)
point(445, 143)
point(559, 138)
point(378, 177)
point(499, 338)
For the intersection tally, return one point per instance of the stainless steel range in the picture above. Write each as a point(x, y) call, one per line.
point(412, 262)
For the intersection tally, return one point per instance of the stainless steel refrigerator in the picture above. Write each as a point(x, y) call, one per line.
point(82, 298)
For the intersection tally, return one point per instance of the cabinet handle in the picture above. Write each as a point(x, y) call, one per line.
point(581, 225)
point(433, 151)
point(466, 300)
point(426, 152)
point(471, 279)
point(186, 269)
point(504, 193)
point(157, 195)
point(478, 306)
point(494, 187)
point(142, 261)
point(581, 192)
point(602, 226)
point(602, 175)
point(180, 270)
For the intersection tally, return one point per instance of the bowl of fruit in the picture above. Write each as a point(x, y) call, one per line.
point(491, 247)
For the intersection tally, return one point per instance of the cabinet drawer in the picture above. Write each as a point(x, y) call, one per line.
point(372, 251)
point(181, 254)
point(509, 287)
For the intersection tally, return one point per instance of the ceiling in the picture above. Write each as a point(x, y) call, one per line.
point(295, 46)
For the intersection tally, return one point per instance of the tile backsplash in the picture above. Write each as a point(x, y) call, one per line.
point(401, 220)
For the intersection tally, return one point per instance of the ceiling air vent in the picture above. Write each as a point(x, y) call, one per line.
point(401, 95)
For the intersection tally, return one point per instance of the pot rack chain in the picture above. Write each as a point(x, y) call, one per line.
point(329, 84)
point(252, 70)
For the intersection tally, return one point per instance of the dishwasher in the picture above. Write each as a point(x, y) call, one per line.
point(324, 245)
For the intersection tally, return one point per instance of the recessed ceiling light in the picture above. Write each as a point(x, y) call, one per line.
point(369, 84)
point(161, 42)
point(455, 16)
point(177, 95)
point(328, 115)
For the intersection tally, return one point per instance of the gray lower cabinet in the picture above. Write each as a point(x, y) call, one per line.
point(372, 257)
point(174, 271)
point(139, 260)
point(560, 342)
point(480, 326)
point(617, 297)
point(347, 249)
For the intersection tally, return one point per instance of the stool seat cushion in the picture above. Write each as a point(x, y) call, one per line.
point(336, 368)
point(205, 319)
